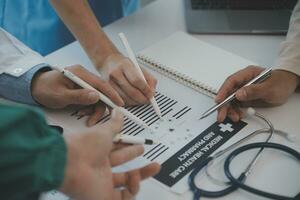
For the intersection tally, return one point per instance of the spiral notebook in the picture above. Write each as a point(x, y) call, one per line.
point(192, 62)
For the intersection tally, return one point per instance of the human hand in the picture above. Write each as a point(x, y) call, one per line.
point(120, 72)
point(90, 158)
point(273, 91)
point(53, 90)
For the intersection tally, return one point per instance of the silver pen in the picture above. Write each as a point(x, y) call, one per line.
point(261, 77)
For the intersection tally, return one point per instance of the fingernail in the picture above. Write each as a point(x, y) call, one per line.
point(241, 94)
point(93, 96)
point(233, 116)
point(90, 123)
point(152, 94)
point(121, 103)
point(217, 98)
point(81, 112)
point(236, 119)
point(114, 112)
point(242, 114)
point(149, 96)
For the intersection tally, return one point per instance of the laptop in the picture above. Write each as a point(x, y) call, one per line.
point(238, 16)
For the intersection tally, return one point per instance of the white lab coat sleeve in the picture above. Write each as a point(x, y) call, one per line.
point(18, 65)
point(289, 54)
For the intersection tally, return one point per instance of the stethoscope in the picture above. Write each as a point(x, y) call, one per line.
point(235, 183)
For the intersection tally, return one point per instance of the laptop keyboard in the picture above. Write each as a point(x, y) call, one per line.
point(243, 4)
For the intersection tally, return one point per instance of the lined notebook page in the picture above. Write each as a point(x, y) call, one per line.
point(195, 59)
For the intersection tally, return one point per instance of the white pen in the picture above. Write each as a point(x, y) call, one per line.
point(102, 97)
point(128, 139)
point(136, 64)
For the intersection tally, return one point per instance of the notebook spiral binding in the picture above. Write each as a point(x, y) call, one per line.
point(178, 77)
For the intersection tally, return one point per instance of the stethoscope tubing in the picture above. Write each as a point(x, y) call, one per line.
point(240, 184)
point(198, 192)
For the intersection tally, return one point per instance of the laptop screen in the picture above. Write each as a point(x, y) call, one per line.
point(243, 4)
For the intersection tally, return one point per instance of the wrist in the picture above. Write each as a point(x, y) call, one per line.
point(34, 88)
point(292, 78)
point(98, 47)
point(105, 58)
point(108, 59)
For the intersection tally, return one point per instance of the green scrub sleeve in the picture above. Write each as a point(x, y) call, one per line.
point(32, 155)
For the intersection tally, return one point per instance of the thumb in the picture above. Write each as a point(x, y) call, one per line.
point(115, 124)
point(251, 92)
point(82, 97)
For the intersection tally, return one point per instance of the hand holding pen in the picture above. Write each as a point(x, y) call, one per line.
point(273, 91)
point(52, 90)
point(243, 79)
point(137, 67)
point(122, 75)
point(102, 97)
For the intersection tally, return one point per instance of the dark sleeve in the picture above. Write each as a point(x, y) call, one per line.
point(32, 155)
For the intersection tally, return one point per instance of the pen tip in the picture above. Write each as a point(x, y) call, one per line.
point(158, 113)
point(149, 142)
point(202, 117)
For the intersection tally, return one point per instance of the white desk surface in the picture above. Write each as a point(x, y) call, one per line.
point(163, 17)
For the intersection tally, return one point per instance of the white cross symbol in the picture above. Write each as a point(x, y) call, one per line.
point(226, 127)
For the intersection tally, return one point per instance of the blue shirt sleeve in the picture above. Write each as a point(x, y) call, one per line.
point(33, 21)
point(130, 6)
point(19, 88)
